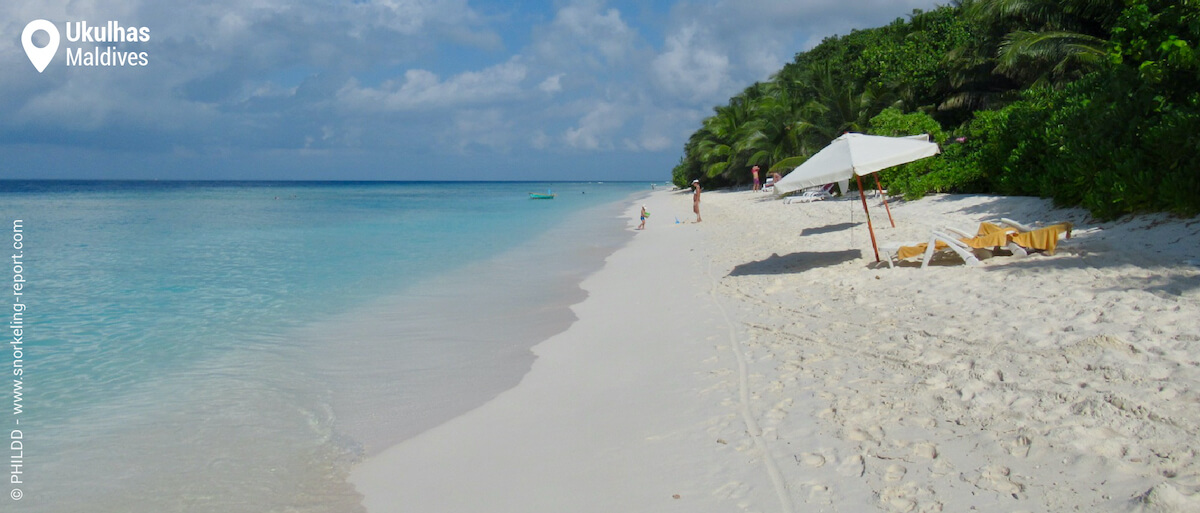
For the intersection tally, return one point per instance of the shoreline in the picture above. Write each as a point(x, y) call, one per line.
point(268, 345)
point(479, 321)
point(759, 360)
point(581, 411)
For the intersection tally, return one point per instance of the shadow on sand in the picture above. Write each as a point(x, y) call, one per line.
point(795, 262)
point(1170, 280)
point(828, 228)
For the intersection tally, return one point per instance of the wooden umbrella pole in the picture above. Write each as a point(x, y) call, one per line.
point(884, 196)
point(862, 195)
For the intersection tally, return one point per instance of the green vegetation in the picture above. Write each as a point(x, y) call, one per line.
point(1094, 103)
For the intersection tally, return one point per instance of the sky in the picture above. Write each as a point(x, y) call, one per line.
point(389, 89)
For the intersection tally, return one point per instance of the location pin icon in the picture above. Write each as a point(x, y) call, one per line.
point(40, 57)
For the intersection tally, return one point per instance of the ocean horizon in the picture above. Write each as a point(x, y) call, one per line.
point(239, 346)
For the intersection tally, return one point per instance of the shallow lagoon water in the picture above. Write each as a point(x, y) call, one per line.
point(214, 346)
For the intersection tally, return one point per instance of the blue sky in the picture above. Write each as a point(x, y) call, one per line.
point(396, 89)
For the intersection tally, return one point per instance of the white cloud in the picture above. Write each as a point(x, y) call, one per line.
point(819, 17)
point(483, 127)
point(584, 32)
point(690, 69)
point(272, 73)
point(713, 50)
point(606, 31)
point(595, 129)
point(422, 89)
point(668, 128)
point(416, 17)
point(552, 84)
point(654, 142)
point(539, 140)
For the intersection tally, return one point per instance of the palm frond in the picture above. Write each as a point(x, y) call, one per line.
point(1048, 55)
point(788, 164)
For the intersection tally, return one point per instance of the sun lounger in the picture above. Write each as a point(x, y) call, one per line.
point(813, 194)
point(938, 241)
point(989, 236)
point(1042, 239)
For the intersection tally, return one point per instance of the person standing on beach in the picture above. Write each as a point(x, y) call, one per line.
point(696, 199)
point(754, 171)
point(644, 214)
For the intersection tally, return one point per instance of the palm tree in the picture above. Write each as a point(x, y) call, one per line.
point(1049, 57)
point(720, 137)
point(840, 105)
point(775, 132)
point(974, 84)
point(1048, 41)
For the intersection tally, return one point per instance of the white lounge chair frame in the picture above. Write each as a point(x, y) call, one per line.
point(952, 242)
point(814, 194)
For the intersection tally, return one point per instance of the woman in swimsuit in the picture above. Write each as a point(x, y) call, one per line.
point(696, 199)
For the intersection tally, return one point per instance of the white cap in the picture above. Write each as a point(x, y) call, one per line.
point(696, 181)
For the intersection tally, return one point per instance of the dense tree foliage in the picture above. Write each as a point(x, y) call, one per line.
point(1089, 102)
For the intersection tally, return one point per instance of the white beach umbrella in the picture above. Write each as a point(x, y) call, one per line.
point(855, 155)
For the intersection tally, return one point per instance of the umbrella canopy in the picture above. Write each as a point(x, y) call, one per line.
point(856, 155)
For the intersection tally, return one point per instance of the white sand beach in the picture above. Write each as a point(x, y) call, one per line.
point(762, 361)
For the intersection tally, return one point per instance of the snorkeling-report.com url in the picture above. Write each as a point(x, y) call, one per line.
point(16, 325)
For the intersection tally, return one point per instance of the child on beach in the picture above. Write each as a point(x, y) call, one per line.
point(643, 216)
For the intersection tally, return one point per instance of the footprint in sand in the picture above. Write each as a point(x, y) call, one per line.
point(872, 434)
point(908, 497)
point(925, 450)
point(1019, 446)
point(970, 390)
point(858, 435)
point(854, 466)
point(877, 433)
point(894, 473)
point(918, 421)
point(811, 459)
point(820, 494)
point(781, 409)
point(897, 499)
point(998, 478)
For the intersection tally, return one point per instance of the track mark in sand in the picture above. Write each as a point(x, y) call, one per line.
point(752, 428)
point(732, 490)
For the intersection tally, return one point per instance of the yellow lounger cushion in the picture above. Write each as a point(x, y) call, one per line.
point(991, 236)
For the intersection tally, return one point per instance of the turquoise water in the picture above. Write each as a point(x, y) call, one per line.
point(238, 346)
